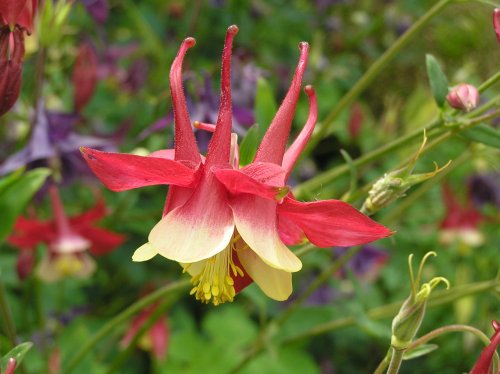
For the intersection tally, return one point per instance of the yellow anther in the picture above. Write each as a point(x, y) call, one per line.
point(214, 283)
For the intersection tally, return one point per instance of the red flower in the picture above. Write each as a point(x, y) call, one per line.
point(156, 339)
point(18, 12)
point(483, 364)
point(496, 22)
point(67, 241)
point(460, 222)
point(226, 225)
point(16, 17)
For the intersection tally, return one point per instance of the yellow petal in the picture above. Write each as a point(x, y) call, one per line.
point(144, 253)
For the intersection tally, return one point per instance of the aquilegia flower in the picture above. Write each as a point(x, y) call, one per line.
point(228, 226)
point(67, 240)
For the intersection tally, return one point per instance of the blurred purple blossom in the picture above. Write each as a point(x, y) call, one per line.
point(366, 264)
point(53, 140)
point(485, 189)
point(98, 9)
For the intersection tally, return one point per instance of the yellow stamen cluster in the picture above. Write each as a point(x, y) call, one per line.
point(68, 264)
point(215, 283)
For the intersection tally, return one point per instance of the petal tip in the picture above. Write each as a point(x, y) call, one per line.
point(190, 42)
point(233, 30)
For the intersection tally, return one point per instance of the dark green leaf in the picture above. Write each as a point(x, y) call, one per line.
point(437, 79)
point(421, 350)
point(17, 353)
point(248, 145)
point(483, 133)
point(17, 195)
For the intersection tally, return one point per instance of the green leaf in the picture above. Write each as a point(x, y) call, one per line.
point(265, 106)
point(483, 133)
point(437, 79)
point(248, 146)
point(17, 353)
point(421, 350)
point(17, 195)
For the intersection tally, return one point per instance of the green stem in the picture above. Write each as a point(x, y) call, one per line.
point(396, 359)
point(455, 328)
point(373, 71)
point(320, 279)
point(122, 317)
point(388, 311)
point(384, 363)
point(489, 82)
point(408, 201)
point(5, 313)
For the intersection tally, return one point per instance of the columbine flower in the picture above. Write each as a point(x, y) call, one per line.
point(229, 226)
point(155, 339)
point(67, 240)
point(463, 97)
point(483, 364)
point(460, 222)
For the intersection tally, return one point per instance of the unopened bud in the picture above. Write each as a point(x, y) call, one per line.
point(496, 22)
point(394, 185)
point(25, 263)
point(463, 97)
point(84, 76)
point(407, 322)
point(11, 366)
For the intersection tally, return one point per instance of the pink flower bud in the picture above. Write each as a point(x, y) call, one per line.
point(496, 22)
point(11, 366)
point(25, 263)
point(463, 97)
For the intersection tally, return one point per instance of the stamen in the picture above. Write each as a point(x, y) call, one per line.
point(215, 283)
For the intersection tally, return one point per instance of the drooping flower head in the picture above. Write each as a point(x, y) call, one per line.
point(229, 226)
point(67, 241)
point(16, 19)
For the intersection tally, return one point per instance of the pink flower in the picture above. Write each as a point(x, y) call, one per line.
point(155, 339)
point(483, 364)
point(228, 226)
point(67, 241)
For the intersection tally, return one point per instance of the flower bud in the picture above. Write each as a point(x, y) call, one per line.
point(84, 76)
point(11, 59)
point(394, 185)
point(407, 322)
point(11, 366)
point(496, 22)
point(463, 97)
point(25, 263)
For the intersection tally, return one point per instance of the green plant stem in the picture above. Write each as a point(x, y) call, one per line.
point(383, 364)
point(373, 71)
point(5, 313)
point(339, 171)
point(455, 328)
point(318, 281)
point(396, 359)
point(433, 128)
point(389, 310)
point(122, 317)
point(408, 201)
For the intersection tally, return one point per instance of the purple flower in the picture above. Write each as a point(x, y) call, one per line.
point(53, 140)
point(98, 9)
point(485, 189)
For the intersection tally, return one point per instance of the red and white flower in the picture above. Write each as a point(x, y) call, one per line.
point(228, 226)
